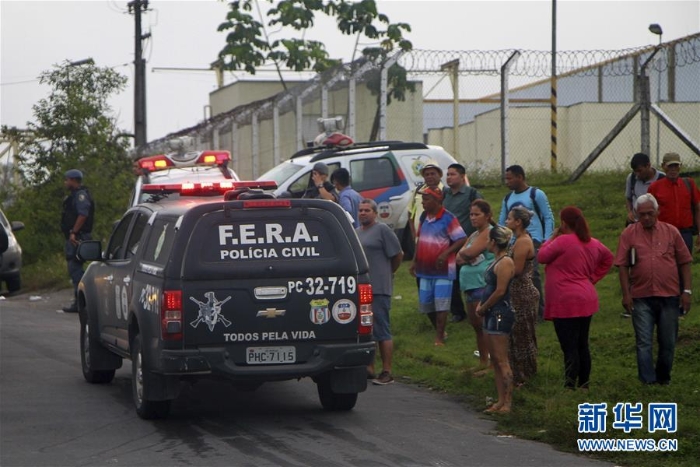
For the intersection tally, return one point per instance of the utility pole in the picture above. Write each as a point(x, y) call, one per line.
point(136, 7)
point(553, 93)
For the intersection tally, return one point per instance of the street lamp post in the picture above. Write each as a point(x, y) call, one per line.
point(655, 28)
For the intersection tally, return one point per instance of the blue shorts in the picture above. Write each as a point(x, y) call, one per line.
point(499, 322)
point(381, 304)
point(474, 295)
point(434, 295)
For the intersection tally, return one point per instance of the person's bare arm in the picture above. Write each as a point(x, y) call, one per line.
point(396, 261)
point(504, 273)
point(477, 246)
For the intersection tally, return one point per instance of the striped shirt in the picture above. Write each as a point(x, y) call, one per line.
point(435, 235)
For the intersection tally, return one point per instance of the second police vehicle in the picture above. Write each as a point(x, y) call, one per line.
point(386, 171)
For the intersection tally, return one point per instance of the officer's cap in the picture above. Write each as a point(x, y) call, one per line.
point(74, 173)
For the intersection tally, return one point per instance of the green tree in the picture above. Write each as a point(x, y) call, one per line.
point(73, 128)
point(248, 44)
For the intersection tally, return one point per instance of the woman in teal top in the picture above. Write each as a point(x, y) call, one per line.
point(475, 258)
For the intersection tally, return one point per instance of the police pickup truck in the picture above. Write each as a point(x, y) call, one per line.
point(242, 287)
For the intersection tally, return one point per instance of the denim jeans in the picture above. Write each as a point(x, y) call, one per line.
point(687, 235)
point(662, 312)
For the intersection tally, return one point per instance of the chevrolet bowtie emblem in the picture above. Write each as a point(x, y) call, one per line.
point(271, 313)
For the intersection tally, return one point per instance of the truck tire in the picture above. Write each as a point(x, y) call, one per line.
point(334, 401)
point(90, 348)
point(146, 409)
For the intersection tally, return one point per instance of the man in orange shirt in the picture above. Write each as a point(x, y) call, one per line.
point(679, 200)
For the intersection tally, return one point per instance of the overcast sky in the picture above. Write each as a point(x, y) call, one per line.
point(36, 35)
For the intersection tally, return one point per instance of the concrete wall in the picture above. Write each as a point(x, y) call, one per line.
point(244, 92)
point(581, 128)
point(404, 122)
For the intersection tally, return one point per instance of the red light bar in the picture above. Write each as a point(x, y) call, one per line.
point(154, 163)
point(188, 189)
point(214, 158)
point(205, 188)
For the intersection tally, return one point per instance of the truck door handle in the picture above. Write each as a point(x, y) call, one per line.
point(127, 280)
point(109, 278)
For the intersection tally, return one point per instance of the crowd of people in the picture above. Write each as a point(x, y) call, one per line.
point(487, 272)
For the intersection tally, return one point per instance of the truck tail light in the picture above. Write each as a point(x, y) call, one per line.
point(364, 325)
point(171, 315)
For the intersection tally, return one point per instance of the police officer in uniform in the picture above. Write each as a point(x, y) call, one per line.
point(76, 225)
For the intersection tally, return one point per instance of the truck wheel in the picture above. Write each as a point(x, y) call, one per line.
point(145, 408)
point(333, 401)
point(89, 348)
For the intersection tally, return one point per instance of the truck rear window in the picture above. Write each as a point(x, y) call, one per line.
point(269, 243)
point(160, 241)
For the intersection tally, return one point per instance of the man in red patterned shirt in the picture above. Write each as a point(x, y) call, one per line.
point(440, 236)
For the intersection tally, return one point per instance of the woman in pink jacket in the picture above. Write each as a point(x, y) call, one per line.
point(574, 262)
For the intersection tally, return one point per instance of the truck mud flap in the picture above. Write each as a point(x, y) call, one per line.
point(348, 380)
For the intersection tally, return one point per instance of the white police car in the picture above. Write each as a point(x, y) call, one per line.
point(10, 255)
point(180, 168)
point(386, 171)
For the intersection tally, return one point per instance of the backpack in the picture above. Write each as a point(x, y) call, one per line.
point(633, 180)
point(533, 193)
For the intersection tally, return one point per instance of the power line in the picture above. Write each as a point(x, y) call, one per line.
point(20, 82)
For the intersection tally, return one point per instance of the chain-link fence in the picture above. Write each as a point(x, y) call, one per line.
point(260, 134)
point(595, 91)
point(609, 105)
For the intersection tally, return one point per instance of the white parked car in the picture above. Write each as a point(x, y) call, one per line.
point(10, 257)
point(194, 167)
point(385, 171)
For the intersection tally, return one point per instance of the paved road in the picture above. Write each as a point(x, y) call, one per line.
point(49, 416)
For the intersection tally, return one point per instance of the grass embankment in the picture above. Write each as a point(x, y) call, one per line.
point(543, 410)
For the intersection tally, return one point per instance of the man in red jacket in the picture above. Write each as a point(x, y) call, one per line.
point(679, 200)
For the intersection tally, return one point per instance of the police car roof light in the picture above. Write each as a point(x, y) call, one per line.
point(189, 189)
point(205, 188)
point(214, 158)
point(154, 163)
